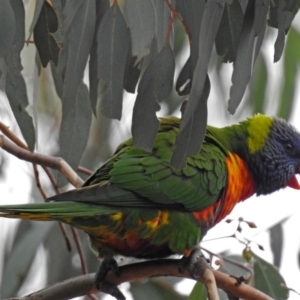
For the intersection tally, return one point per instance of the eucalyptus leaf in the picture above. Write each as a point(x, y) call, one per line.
point(268, 280)
point(257, 87)
point(7, 26)
point(276, 241)
point(184, 81)
point(209, 28)
point(101, 7)
point(12, 58)
point(281, 17)
point(141, 21)
point(156, 288)
point(80, 40)
point(244, 60)
point(198, 292)
point(21, 257)
point(192, 13)
point(228, 35)
point(37, 10)
point(113, 46)
point(59, 259)
point(71, 9)
point(261, 10)
point(15, 89)
point(192, 132)
point(75, 126)
point(155, 86)
point(290, 70)
point(162, 19)
point(46, 24)
point(132, 74)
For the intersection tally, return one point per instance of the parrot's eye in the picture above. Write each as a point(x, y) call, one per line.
point(289, 148)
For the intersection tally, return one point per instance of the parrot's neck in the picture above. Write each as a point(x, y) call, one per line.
point(232, 138)
point(246, 140)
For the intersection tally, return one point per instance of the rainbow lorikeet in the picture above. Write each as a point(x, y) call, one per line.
point(137, 205)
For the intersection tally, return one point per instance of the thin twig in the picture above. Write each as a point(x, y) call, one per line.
point(79, 249)
point(38, 182)
point(8, 133)
point(204, 270)
point(84, 267)
point(84, 170)
point(65, 235)
point(231, 261)
point(52, 179)
point(84, 284)
point(174, 11)
point(48, 161)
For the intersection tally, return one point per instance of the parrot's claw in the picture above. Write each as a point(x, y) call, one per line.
point(239, 280)
point(109, 288)
point(108, 264)
point(189, 262)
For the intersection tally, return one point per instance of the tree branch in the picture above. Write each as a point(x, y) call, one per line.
point(84, 284)
point(40, 159)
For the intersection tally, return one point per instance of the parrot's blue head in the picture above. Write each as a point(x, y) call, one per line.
point(276, 163)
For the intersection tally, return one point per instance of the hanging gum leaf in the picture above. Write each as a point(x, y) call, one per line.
point(257, 87)
point(7, 26)
point(162, 19)
point(268, 280)
point(155, 86)
point(46, 24)
point(132, 74)
point(276, 243)
point(209, 27)
point(15, 87)
point(74, 130)
point(192, 13)
point(290, 70)
point(198, 292)
point(26, 249)
point(141, 21)
point(227, 38)
point(101, 7)
point(113, 47)
point(261, 10)
point(244, 60)
point(37, 10)
point(190, 136)
point(78, 40)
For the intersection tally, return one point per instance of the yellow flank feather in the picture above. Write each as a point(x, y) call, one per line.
point(258, 129)
point(117, 217)
point(161, 219)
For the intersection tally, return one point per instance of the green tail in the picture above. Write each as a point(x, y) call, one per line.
point(53, 210)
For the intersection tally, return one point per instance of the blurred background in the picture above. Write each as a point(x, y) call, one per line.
point(33, 255)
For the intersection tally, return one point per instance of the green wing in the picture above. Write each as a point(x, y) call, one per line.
point(135, 178)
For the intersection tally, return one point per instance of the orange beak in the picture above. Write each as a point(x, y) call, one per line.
point(293, 183)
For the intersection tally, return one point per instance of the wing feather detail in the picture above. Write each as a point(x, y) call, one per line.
point(135, 178)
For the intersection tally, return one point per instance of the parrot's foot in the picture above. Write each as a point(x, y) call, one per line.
point(108, 264)
point(239, 280)
point(109, 288)
point(189, 262)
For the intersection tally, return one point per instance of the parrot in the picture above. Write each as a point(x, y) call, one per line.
point(137, 205)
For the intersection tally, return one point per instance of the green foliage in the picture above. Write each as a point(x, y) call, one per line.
point(268, 280)
point(290, 72)
point(198, 292)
